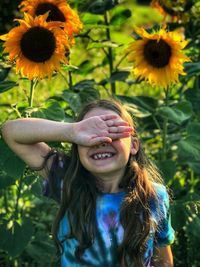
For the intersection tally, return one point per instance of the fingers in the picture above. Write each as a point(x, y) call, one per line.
point(120, 129)
point(113, 120)
point(109, 117)
point(116, 123)
point(115, 136)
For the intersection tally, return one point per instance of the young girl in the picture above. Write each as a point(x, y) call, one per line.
point(113, 208)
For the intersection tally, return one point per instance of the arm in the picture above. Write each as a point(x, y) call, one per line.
point(163, 257)
point(28, 137)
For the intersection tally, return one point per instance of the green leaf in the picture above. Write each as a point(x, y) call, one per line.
point(14, 166)
point(73, 99)
point(120, 16)
point(98, 6)
point(80, 94)
point(41, 249)
point(102, 44)
point(6, 85)
point(189, 148)
point(192, 68)
point(194, 166)
point(15, 239)
point(6, 181)
point(85, 67)
point(144, 102)
point(71, 68)
point(30, 179)
point(83, 85)
point(191, 198)
point(139, 106)
point(1, 50)
point(178, 113)
point(193, 226)
point(10, 162)
point(178, 215)
point(51, 111)
point(89, 95)
point(91, 19)
point(193, 95)
point(167, 168)
point(3, 73)
point(185, 212)
point(116, 76)
point(193, 129)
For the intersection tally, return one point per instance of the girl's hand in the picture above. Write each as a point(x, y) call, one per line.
point(100, 129)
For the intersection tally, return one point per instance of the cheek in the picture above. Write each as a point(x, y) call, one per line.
point(123, 146)
point(81, 153)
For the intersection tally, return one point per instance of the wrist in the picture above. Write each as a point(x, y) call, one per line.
point(70, 132)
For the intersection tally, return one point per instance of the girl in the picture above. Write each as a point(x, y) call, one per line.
point(114, 210)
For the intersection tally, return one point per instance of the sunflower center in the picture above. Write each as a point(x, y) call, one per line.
point(38, 44)
point(54, 15)
point(157, 53)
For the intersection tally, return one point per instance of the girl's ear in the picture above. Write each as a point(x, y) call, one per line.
point(134, 145)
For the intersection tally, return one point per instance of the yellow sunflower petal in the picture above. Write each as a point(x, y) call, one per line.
point(59, 10)
point(21, 42)
point(158, 57)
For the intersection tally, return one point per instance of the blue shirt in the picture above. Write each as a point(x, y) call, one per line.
point(110, 231)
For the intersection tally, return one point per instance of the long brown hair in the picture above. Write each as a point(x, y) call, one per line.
point(80, 192)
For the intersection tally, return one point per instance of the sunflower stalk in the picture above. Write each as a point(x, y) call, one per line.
point(110, 51)
point(70, 79)
point(165, 126)
point(5, 201)
point(122, 58)
point(32, 90)
point(19, 188)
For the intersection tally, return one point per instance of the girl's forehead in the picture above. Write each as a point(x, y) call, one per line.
point(99, 111)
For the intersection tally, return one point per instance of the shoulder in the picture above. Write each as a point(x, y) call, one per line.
point(159, 205)
point(161, 191)
point(161, 215)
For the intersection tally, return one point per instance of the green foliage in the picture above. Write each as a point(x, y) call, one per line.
point(10, 236)
point(168, 123)
point(8, 10)
point(9, 162)
point(178, 113)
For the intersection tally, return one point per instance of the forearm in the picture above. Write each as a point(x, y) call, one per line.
point(163, 257)
point(28, 137)
point(30, 131)
point(162, 263)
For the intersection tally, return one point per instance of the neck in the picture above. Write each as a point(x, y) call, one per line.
point(109, 183)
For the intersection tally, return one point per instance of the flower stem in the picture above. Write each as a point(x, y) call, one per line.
point(70, 79)
point(32, 89)
point(5, 201)
point(110, 51)
point(19, 188)
point(165, 127)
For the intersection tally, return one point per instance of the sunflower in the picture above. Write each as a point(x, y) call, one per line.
point(58, 10)
point(37, 46)
point(157, 57)
point(174, 9)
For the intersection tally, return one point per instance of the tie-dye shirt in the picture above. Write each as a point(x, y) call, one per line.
point(109, 229)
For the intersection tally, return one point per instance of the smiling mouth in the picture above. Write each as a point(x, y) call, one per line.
point(101, 156)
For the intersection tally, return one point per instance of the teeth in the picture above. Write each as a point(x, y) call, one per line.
point(103, 156)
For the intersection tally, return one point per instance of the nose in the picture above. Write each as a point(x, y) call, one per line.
point(102, 145)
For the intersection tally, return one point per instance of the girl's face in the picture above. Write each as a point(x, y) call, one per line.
point(107, 159)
